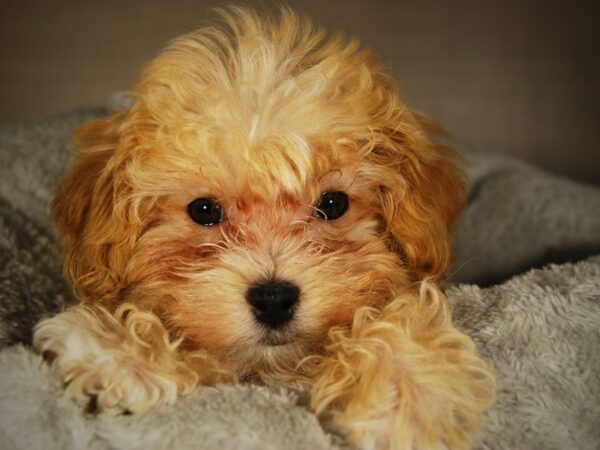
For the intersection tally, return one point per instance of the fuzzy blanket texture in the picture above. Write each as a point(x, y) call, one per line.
point(536, 323)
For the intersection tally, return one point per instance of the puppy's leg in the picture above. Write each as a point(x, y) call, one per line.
point(403, 377)
point(121, 362)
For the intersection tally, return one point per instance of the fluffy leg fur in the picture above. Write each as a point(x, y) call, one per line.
point(121, 362)
point(403, 377)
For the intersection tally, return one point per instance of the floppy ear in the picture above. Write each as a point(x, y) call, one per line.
point(422, 194)
point(91, 215)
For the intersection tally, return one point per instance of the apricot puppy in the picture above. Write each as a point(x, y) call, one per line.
point(267, 210)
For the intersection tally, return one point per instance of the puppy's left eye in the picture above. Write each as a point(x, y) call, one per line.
point(205, 211)
point(332, 205)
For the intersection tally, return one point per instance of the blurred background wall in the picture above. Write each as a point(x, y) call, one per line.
point(518, 77)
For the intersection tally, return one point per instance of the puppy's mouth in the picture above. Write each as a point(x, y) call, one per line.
point(275, 338)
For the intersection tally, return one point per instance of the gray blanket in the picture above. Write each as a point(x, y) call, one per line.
point(539, 330)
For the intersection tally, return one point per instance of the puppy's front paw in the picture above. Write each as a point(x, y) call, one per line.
point(115, 387)
point(121, 363)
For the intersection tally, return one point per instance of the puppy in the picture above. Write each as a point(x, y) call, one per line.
point(268, 210)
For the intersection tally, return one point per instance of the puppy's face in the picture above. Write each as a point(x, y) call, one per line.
point(265, 184)
point(266, 250)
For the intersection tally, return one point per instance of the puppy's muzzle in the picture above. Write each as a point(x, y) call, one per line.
point(273, 302)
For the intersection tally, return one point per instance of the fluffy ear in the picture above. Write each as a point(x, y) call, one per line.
point(91, 215)
point(422, 194)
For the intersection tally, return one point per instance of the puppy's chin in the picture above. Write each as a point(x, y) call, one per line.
point(278, 337)
point(272, 352)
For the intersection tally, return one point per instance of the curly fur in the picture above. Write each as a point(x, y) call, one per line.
point(264, 115)
point(391, 376)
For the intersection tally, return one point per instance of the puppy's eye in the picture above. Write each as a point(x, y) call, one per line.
point(332, 205)
point(205, 211)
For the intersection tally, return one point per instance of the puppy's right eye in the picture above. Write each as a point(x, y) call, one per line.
point(332, 205)
point(205, 211)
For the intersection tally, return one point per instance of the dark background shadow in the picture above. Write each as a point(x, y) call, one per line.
point(515, 77)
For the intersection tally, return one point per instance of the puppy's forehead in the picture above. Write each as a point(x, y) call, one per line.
point(236, 142)
point(260, 109)
point(266, 139)
point(278, 166)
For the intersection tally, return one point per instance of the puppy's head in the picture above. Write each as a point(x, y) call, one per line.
point(266, 183)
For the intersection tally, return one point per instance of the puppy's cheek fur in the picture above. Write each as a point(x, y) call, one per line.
point(336, 287)
point(212, 313)
point(202, 302)
point(203, 298)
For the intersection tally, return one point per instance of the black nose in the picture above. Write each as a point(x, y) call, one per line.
point(273, 302)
